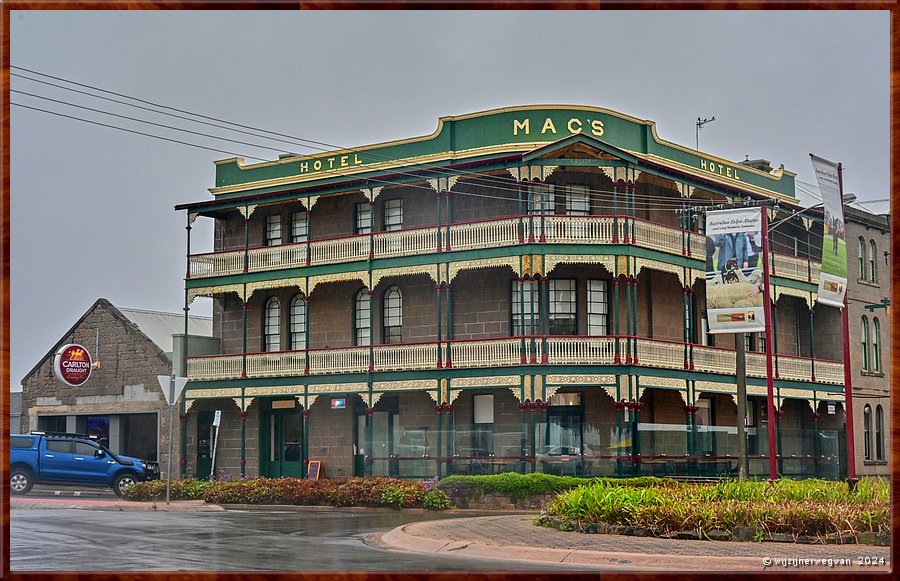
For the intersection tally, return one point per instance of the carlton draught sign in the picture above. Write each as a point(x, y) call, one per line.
point(72, 364)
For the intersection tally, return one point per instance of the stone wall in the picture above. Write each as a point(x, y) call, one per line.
point(125, 383)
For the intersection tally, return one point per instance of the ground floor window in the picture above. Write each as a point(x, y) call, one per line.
point(52, 423)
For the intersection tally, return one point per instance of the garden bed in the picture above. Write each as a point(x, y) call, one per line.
point(374, 492)
point(784, 510)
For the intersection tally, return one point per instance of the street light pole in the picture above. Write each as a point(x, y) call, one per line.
point(767, 310)
point(848, 375)
point(741, 377)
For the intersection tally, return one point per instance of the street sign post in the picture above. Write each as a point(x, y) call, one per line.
point(217, 419)
point(171, 387)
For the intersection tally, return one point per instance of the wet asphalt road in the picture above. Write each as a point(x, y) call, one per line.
point(257, 540)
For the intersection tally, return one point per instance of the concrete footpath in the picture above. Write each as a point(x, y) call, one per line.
point(514, 537)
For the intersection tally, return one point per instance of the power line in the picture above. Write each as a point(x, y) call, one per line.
point(164, 126)
point(129, 130)
point(441, 171)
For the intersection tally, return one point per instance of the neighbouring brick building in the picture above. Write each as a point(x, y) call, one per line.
point(522, 290)
point(121, 402)
point(869, 272)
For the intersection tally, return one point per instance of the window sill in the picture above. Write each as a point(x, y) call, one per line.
point(871, 373)
point(868, 283)
point(875, 463)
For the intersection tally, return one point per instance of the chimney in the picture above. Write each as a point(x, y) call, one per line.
point(760, 164)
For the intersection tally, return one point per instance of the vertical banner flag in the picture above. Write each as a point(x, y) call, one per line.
point(833, 280)
point(734, 271)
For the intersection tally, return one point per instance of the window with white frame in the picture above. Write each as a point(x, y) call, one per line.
point(297, 334)
point(273, 230)
point(562, 316)
point(363, 212)
point(299, 227)
point(864, 342)
point(524, 308)
point(876, 345)
point(393, 215)
point(393, 316)
point(873, 262)
point(879, 433)
point(577, 201)
point(598, 307)
point(362, 310)
point(540, 198)
point(867, 431)
point(861, 257)
point(272, 325)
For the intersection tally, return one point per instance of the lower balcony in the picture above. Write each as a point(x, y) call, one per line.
point(509, 352)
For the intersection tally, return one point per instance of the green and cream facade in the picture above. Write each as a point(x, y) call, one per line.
point(520, 291)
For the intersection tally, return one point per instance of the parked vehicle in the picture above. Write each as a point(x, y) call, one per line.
point(73, 460)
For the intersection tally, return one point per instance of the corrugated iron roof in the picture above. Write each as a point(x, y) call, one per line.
point(160, 327)
point(809, 195)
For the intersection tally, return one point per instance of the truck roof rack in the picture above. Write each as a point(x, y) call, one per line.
point(66, 435)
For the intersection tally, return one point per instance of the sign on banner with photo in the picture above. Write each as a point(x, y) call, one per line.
point(734, 271)
point(833, 280)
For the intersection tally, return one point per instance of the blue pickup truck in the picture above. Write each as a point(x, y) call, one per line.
point(71, 459)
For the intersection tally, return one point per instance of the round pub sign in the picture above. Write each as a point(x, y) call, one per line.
point(72, 364)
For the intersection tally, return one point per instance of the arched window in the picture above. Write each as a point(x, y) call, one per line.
point(362, 322)
point(864, 343)
point(861, 258)
point(879, 433)
point(393, 315)
point(876, 345)
point(867, 430)
point(297, 335)
point(873, 262)
point(271, 327)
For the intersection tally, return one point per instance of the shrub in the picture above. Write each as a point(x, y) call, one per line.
point(184, 489)
point(376, 491)
point(436, 500)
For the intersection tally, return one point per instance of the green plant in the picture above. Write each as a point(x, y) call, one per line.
point(436, 500)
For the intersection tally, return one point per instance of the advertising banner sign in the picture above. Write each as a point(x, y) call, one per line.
point(72, 364)
point(734, 271)
point(833, 280)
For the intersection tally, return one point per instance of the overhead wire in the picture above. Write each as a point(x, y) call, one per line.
point(440, 170)
point(664, 203)
point(642, 206)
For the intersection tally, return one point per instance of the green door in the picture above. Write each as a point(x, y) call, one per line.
point(283, 438)
point(204, 443)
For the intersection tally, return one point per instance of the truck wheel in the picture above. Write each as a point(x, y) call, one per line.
point(122, 482)
point(20, 480)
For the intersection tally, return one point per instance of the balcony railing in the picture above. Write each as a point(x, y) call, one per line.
point(505, 352)
point(495, 233)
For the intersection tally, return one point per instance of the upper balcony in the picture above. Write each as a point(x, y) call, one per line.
point(493, 233)
point(508, 352)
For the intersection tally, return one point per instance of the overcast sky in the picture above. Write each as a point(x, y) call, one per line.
point(92, 207)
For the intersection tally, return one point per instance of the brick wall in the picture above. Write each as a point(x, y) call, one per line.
point(482, 199)
point(419, 308)
point(331, 435)
point(333, 216)
point(331, 314)
point(480, 301)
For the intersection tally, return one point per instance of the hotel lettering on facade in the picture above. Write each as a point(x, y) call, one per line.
point(519, 291)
